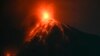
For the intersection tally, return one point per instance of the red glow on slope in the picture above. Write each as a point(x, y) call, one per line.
point(41, 29)
point(45, 14)
point(10, 52)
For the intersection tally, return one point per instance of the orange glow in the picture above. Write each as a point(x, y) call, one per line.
point(10, 51)
point(8, 54)
point(44, 11)
point(46, 21)
point(46, 15)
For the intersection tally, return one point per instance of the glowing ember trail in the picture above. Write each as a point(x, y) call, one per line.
point(44, 25)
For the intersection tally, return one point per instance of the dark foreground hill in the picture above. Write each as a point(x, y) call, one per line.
point(71, 42)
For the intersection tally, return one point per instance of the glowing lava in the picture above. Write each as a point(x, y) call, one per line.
point(45, 24)
point(46, 15)
point(42, 29)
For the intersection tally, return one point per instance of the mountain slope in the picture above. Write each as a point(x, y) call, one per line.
point(70, 42)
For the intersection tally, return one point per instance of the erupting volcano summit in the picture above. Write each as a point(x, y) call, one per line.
point(46, 22)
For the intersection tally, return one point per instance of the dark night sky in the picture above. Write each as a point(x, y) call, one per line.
point(81, 14)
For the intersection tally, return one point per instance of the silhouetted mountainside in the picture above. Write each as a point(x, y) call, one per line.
point(70, 42)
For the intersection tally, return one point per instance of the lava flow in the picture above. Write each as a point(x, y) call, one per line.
point(44, 25)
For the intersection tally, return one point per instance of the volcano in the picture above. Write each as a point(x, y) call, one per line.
point(52, 38)
point(69, 42)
